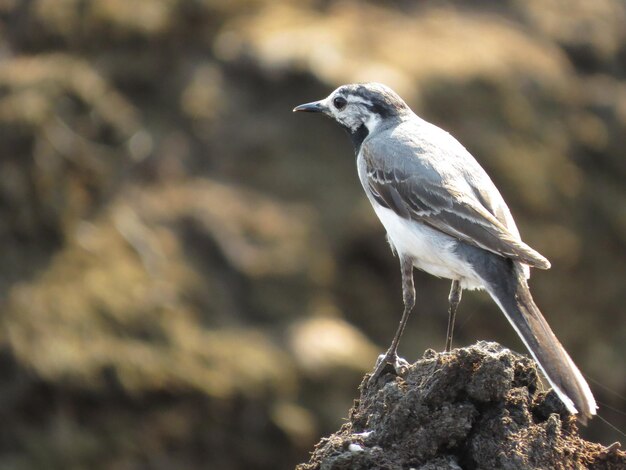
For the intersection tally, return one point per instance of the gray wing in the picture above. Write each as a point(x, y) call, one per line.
point(413, 190)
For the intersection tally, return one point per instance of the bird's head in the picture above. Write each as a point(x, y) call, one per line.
point(360, 108)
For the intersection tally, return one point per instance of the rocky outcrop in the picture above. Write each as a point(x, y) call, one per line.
point(473, 408)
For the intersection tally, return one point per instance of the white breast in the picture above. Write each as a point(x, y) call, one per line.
point(430, 250)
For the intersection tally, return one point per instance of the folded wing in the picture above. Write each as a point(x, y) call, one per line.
point(405, 185)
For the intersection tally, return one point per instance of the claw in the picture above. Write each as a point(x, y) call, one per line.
point(388, 363)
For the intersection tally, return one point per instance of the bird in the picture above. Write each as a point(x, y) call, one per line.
point(444, 215)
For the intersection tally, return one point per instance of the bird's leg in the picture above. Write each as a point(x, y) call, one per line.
point(390, 358)
point(454, 299)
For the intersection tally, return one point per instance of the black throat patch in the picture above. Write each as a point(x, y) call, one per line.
point(358, 136)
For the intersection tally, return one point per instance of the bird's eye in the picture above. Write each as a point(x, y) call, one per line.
point(339, 102)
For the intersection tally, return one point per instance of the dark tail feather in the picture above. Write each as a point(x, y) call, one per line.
point(514, 299)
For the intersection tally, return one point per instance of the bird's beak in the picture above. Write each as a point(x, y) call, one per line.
point(314, 107)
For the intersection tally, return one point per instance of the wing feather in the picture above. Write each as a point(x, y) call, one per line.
point(416, 192)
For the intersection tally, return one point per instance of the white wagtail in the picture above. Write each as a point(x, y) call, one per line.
point(444, 215)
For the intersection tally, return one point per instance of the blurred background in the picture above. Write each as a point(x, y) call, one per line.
point(191, 276)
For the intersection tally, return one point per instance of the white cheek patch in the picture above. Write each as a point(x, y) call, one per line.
point(355, 113)
point(372, 122)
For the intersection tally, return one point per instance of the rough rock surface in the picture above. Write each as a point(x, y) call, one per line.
point(476, 407)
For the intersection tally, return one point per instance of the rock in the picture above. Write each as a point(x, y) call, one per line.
point(475, 407)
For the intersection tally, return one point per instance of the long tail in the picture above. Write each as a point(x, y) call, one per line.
point(514, 299)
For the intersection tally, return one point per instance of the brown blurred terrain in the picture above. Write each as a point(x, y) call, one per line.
point(190, 275)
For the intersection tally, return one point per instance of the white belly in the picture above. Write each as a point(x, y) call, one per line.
point(430, 250)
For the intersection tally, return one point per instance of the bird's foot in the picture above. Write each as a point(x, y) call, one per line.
point(386, 363)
